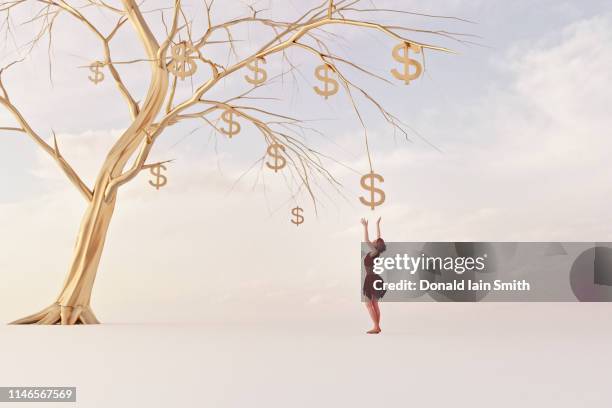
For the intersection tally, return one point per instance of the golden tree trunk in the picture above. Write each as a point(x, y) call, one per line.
point(76, 291)
point(72, 306)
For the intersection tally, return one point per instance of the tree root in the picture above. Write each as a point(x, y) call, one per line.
point(64, 315)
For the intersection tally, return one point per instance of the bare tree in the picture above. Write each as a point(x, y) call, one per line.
point(160, 109)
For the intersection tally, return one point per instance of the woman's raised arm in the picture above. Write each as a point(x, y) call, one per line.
point(366, 236)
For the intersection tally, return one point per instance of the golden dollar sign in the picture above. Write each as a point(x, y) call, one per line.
point(234, 127)
point(372, 189)
point(181, 57)
point(279, 160)
point(98, 75)
point(297, 213)
point(322, 73)
point(160, 179)
point(400, 54)
point(254, 66)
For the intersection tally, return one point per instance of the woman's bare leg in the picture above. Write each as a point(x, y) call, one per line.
point(371, 311)
point(376, 309)
point(372, 306)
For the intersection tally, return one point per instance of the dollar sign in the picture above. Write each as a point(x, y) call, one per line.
point(254, 66)
point(160, 180)
point(181, 57)
point(98, 75)
point(279, 160)
point(234, 127)
point(373, 190)
point(400, 54)
point(299, 219)
point(322, 73)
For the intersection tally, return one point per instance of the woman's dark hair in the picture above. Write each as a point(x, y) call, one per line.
point(380, 246)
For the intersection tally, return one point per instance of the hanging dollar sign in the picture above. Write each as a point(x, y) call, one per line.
point(371, 176)
point(299, 218)
point(181, 59)
point(322, 73)
point(233, 127)
point(98, 76)
point(160, 179)
point(254, 66)
point(400, 54)
point(279, 160)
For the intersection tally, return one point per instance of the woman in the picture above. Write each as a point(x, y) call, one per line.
point(372, 285)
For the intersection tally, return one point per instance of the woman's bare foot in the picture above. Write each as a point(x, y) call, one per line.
point(375, 330)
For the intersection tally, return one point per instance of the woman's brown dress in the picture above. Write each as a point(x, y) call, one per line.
point(371, 279)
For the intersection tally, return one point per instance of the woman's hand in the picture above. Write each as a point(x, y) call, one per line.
point(364, 222)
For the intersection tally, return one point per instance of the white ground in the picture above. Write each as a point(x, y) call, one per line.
point(472, 355)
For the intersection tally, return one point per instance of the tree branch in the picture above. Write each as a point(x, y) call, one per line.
point(290, 37)
point(132, 104)
point(52, 151)
point(12, 129)
point(149, 139)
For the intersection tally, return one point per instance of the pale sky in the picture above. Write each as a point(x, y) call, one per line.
point(521, 119)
